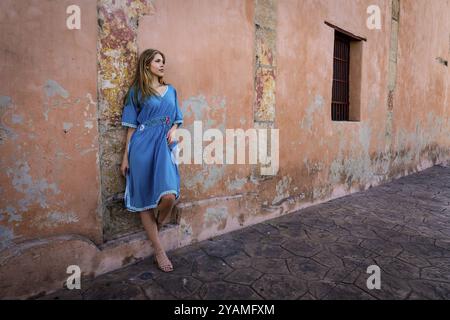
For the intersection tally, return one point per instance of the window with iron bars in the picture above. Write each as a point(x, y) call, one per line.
point(341, 78)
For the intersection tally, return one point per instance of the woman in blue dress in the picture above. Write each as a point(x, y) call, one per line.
point(149, 164)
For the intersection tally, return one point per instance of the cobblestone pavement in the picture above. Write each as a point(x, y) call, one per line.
point(321, 252)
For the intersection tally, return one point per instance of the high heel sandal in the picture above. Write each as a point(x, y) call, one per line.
point(163, 262)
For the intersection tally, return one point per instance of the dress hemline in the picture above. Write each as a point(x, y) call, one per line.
point(134, 209)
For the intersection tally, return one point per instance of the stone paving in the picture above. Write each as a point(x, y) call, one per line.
point(321, 252)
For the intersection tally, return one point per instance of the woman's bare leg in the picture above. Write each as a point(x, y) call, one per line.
point(165, 207)
point(149, 221)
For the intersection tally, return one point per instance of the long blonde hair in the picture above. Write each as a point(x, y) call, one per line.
point(143, 78)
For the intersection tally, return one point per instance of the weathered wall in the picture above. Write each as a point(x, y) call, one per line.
point(421, 127)
point(235, 64)
point(49, 177)
point(49, 140)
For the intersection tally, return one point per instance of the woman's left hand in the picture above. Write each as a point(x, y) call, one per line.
point(171, 134)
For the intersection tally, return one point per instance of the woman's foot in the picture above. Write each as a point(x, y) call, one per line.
point(163, 261)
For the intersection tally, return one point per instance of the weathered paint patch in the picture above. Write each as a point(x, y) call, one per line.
point(54, 219)
point(53, 88)
point(410, 146)
point(67, 126)
point(316, 106)
point(198, 108)
point(88, 124)
point(185, 229)
point(282, 189)
point(12, 213)
point(373, 103)
point(216, 216)
point(365, 136)
point(16, 119)
point(205, 179)
point(5, 101)
point(359, 167)
point(312, 167)
point(34, 191)
point(237, 183)
point(5, 131)
point(321, 192)
point(356, 167)
point(6, 237)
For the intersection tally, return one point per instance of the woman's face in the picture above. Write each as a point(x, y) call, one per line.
point(157, 65)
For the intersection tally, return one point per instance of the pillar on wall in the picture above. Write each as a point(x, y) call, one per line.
point(392, 75)
point(264, 104)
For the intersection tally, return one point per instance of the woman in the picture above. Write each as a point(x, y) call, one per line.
point(152, 115)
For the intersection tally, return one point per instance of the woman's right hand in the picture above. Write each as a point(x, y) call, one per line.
point(124, 167)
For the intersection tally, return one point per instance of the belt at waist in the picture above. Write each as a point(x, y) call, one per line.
point(154, 122)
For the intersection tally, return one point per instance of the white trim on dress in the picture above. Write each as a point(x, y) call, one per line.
point(126, 124)
point(134, 209)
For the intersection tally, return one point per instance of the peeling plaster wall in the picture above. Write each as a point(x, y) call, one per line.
point(49, 172)
point(335, 158)
point(235, 64)
point(421, 129)
point(49, 177)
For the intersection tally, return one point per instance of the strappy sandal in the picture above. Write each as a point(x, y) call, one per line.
point(163, 262)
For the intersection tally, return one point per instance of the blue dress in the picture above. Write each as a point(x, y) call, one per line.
point(153, 168)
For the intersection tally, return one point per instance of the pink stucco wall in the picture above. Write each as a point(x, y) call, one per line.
point(49, 177)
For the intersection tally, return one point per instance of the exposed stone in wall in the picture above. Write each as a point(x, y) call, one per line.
point(392, 75)
point(117, 56)
point(265, 20)
point(265, 68)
